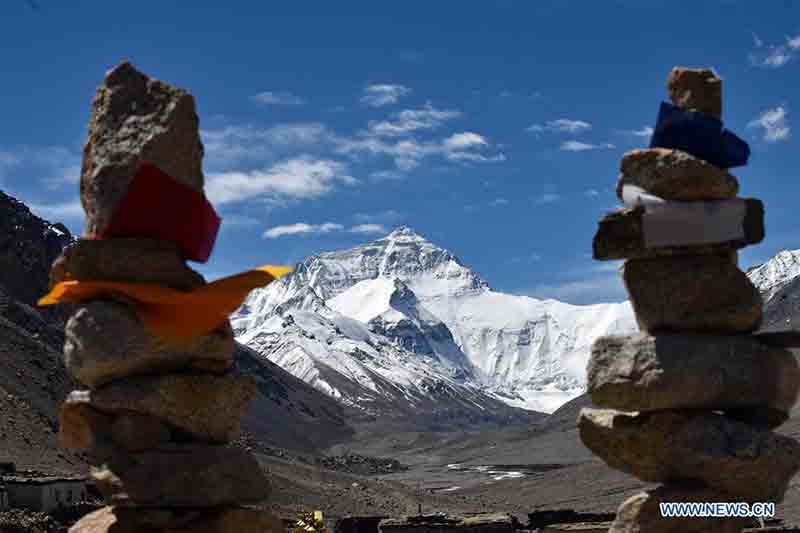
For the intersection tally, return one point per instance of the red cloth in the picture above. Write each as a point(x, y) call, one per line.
point(159, 207)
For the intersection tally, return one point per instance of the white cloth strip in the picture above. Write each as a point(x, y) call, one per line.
point(687, 223)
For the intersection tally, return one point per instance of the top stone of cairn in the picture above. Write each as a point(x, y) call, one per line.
point(696, 90)
point(135, 118)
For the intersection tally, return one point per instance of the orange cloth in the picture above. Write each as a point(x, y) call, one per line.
point(172, 314)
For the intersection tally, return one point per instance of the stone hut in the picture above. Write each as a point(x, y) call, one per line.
point(43, 493)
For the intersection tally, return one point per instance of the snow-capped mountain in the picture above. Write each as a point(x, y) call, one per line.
point(774, 274)
point(433, 319)
point(778, 279)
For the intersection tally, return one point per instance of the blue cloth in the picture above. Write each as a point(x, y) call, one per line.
point(700, 135)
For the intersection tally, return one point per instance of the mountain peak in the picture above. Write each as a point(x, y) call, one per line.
point(405, 232)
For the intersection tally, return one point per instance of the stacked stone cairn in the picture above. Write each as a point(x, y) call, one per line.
point(156, 417)
point(691, 400)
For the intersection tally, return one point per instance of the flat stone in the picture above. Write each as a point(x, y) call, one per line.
point(735, 374)
point(188, 475)
point(675, 175)
point(206, 407)
point(700, 293)
point(134, 119)
point(641, 513)
point(748, 462)
point(222, 520)
point(125, 260)
point(80, 426)
point(137, 432)
point(105, 341)
point(621, 235)
point(696, 90)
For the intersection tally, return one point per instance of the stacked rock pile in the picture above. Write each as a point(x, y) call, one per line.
point(690, 400)
point(156, 415)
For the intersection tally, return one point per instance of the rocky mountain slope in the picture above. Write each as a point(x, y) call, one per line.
point(436, 313)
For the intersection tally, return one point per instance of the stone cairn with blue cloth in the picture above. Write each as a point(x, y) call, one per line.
point(691, 400)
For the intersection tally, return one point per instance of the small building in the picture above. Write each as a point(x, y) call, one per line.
point(44, 493)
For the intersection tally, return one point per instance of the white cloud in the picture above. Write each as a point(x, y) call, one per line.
point(562, 125)
point(298, 178)
point(645, 132)
point(548, 198)
point(773, 56)
point(278, 98)
point(56, 212)
point(236, 143)
point(464, 140)
point(368, 228)
point(382, 94)
point(577, 146)
point(497, 202)
point(303, 228)
point(386, 175)
point(591, 193)
point(408, 153)
point(411, 120)
point(238, 221)
point(774, 123)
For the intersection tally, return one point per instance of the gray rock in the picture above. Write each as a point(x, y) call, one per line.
point(105, 341)
point(135, 432)
point(189, 475)
point(82, 427)
point(735, 374)
point(641, 512)
point(696, 90)
point(675, 175)
point(674, 446)
point(620, 235)
point(125, 260)
point(205, 407)
point(134, 119)
point(692, 293)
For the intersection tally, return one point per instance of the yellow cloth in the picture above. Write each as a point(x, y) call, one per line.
point(172, 314)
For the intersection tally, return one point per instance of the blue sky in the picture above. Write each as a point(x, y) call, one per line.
point(495, 129)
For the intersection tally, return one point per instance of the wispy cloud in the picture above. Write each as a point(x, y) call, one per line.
point(411, 120)
point(298, 178)
point(577, 146)
point(596, 289)
point(774, 123)
point(239, 143)
point(591, 193)
point(773, 56)
point(379, 95)
point(303, 228)
point(50, 166)
point(562, 125)
point(58, 211)
point(278, 98)
point(388, 216)
point(497, 202)
point(408, 153)
point(548, 198)
point(369, 228)
point(644, 132)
